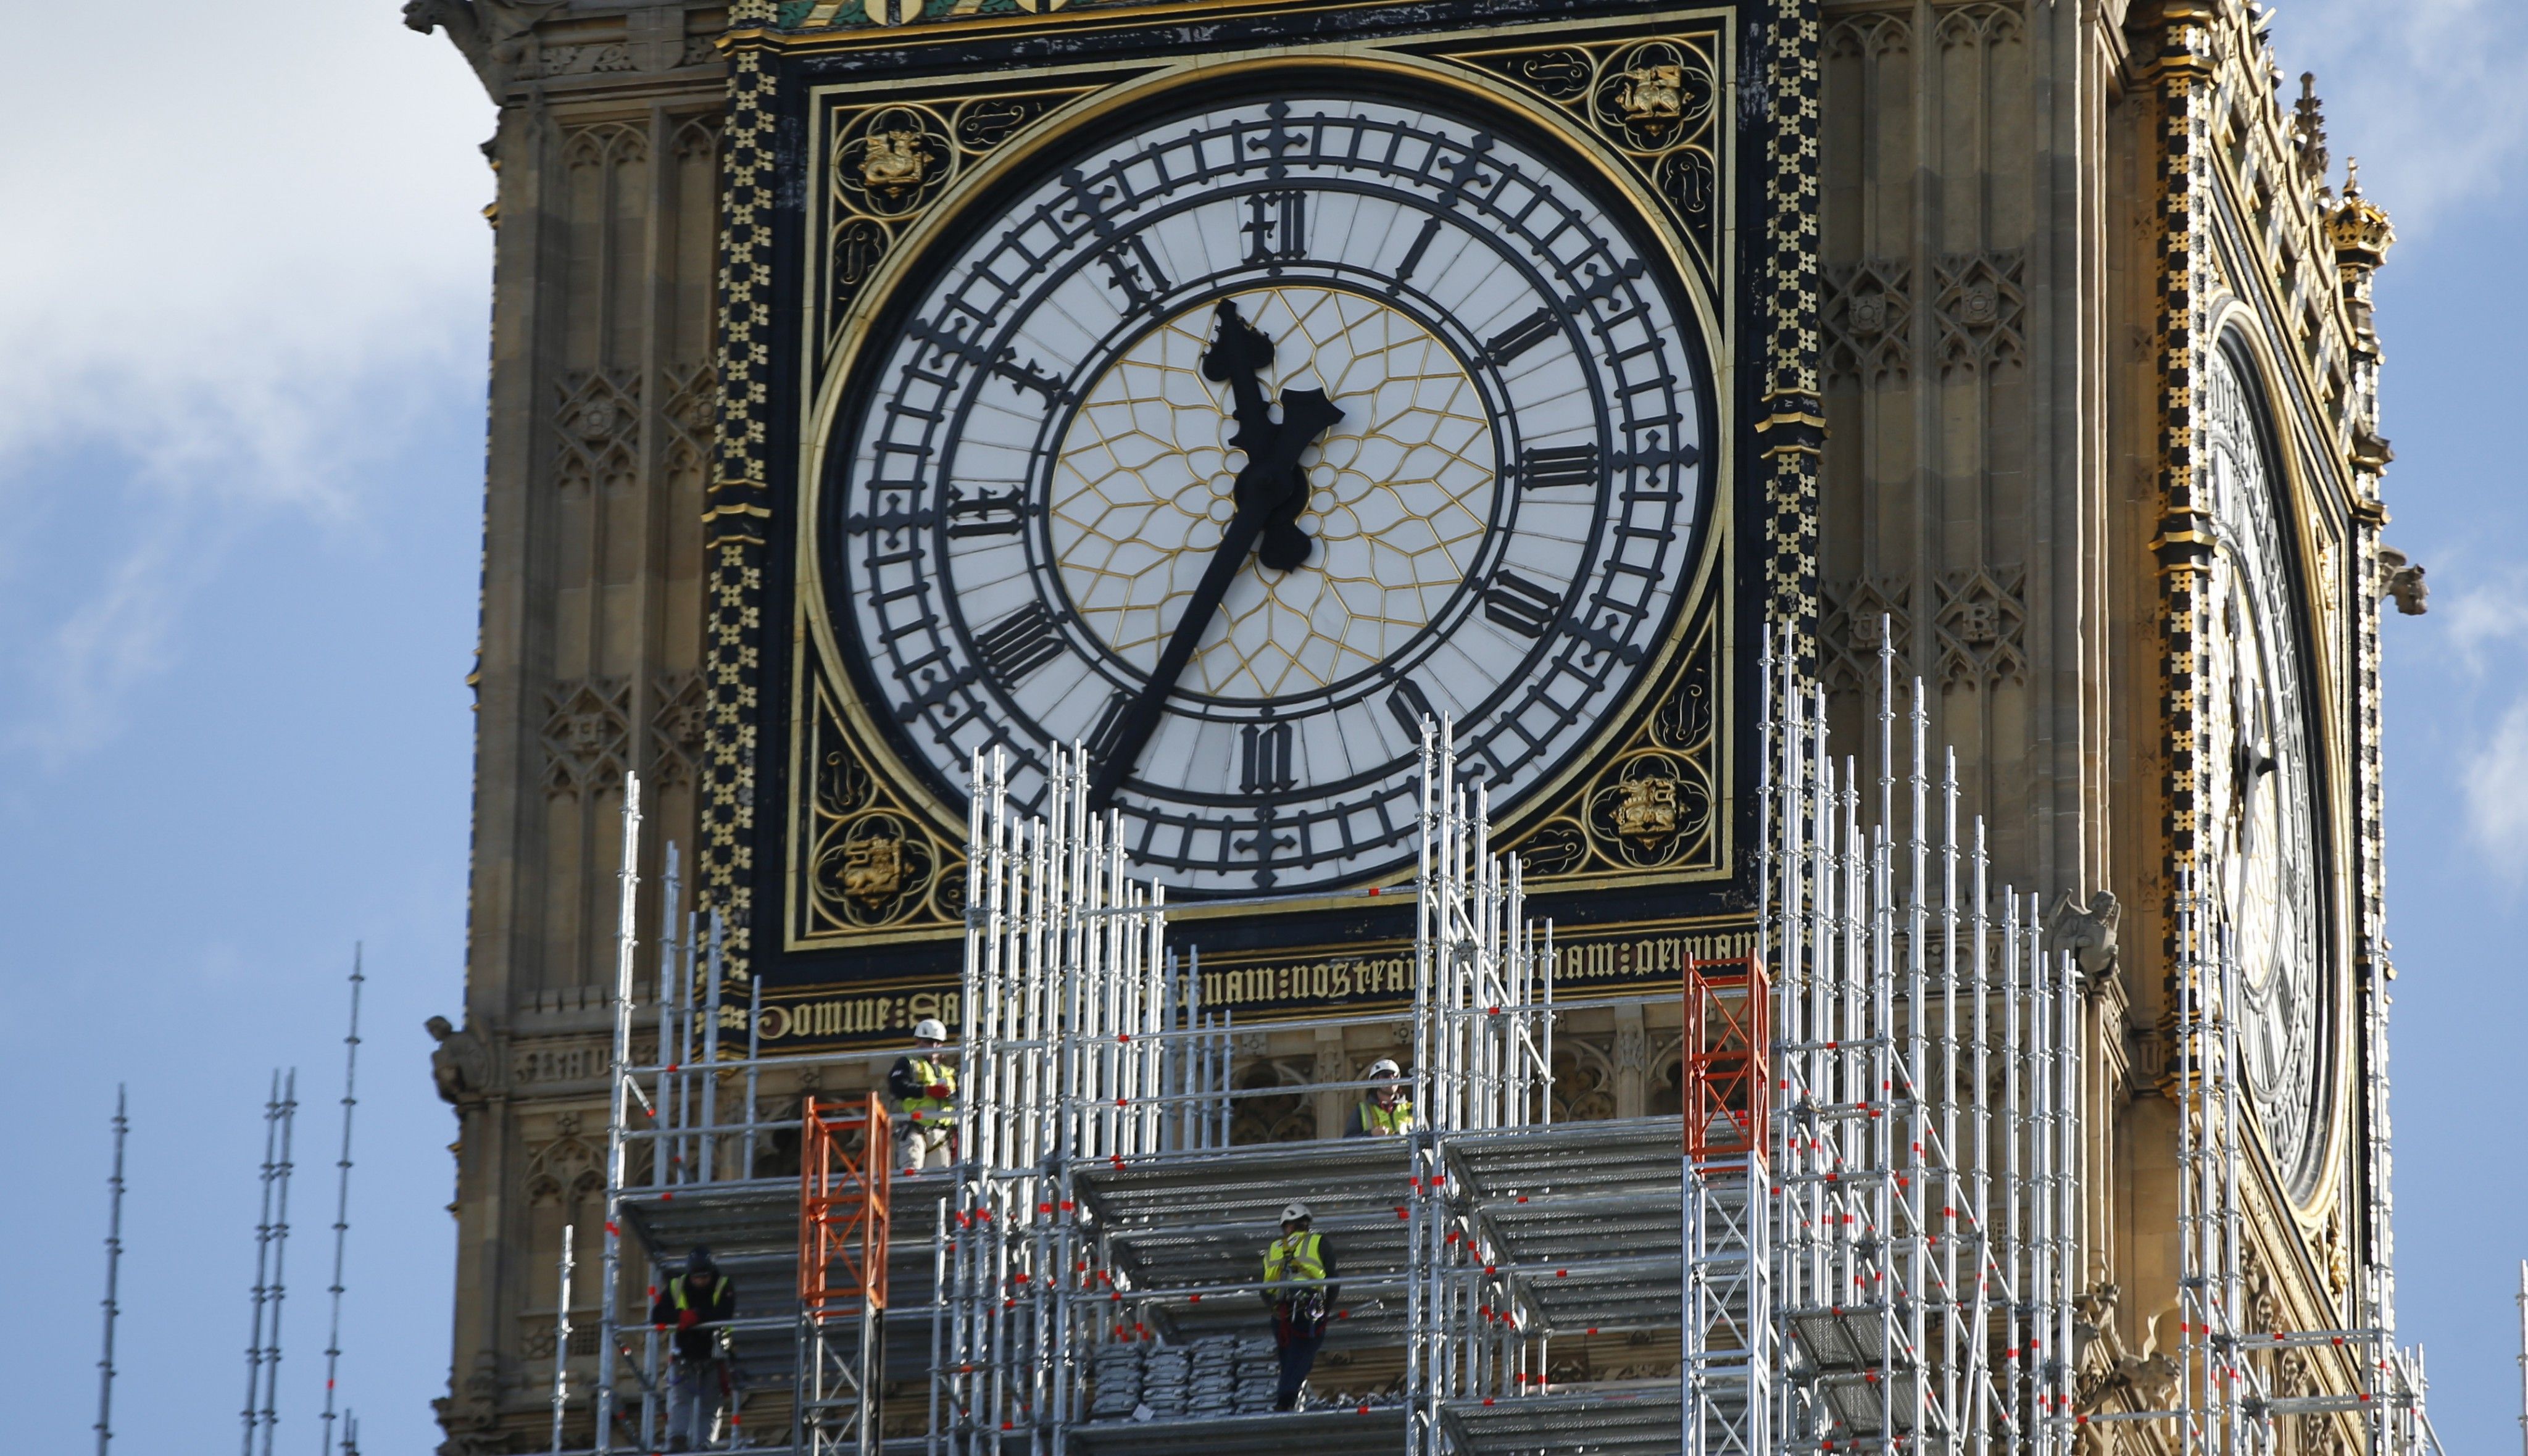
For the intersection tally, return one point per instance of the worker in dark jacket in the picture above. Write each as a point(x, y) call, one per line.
point(924, 1088)
point(1293, 1265)
point(697, 1305)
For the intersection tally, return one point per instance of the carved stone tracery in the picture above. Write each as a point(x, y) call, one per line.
point(1982, 628)
point(1980, 300)
point(1869, 319)
point(587, 736)
point(596, 427)
point(1858, 613)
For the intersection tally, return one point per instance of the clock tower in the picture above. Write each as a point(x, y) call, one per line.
point(1222, 389)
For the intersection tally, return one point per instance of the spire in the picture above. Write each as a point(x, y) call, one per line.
point(2308, 130)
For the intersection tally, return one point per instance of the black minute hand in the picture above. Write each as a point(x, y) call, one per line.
point(1269, 491)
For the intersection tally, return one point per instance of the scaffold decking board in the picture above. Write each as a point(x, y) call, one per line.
point(1632, 1155)
point(748, 1223)
point(1379, 1432)
point(1353, 1178)
point(1629, 1420)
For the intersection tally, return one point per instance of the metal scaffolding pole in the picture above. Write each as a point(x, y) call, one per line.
point(341, 1203)
point(561, 1339)
point(270, 1416)
point(262, 1265)
point(272, 1237)
point(114, 1274)
point(626, 940)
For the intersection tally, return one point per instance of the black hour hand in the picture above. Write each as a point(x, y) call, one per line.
point(1238, 353)
point(1278, 489)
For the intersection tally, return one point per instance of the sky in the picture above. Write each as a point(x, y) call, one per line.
point(243, 293)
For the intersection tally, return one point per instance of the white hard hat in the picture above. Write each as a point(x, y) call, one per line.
point(929, 1030)
point(1294, 1213)
point(1385, 1066)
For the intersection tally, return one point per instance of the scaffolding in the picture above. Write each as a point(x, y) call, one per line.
point(845, 1168)
point(1880, 1247)
point(2229, 1404)
point(1865, 1237)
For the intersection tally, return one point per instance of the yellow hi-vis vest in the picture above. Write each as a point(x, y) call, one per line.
point(1384, 1121)
point(1297, 1256)
point(929, 1073)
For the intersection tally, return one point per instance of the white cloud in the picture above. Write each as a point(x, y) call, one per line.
point(2496, 792)
point(223, 249)
point(2485, 631)
point(2486, 617)
point(2425, 92)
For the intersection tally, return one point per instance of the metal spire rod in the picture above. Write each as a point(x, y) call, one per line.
point(113, 1274)
point(2523, 1308)
point(342, 1201)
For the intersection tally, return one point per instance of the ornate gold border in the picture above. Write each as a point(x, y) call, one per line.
point(817, 670)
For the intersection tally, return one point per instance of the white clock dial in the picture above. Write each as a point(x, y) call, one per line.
point(2259, 777)
point(1234, 446)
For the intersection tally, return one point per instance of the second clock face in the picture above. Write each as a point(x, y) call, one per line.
point(1238, 445)
point(2261, 782)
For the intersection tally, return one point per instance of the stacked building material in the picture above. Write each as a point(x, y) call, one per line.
point(1259, 1372)
point(1213, 1390)
point(1165, 1374)
point(1117, 1370)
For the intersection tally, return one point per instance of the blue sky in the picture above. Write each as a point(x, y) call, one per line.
point(243, 299)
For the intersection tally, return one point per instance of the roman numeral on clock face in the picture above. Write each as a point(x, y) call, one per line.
point(1412, 708)
point(1520, 605)
point(1021, 643)
point(1413, 254)
point(1277, 227)
point(1134, 273)
point(1100, 738)
point(1558, 467)
point(988, 513)
point(1267, 758)
point(1519, 337)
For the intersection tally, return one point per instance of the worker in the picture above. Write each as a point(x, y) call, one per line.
point(697, 1305)
point(1294, 1267)
point(924, 1088)
point(1387, 1111)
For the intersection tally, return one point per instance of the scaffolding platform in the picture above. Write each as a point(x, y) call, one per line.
point(1582, 1218)
point(1185, 1226)
point(752, 1227)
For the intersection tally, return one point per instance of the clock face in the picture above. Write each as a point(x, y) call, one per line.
point(2260, 780)
point(1235, 447)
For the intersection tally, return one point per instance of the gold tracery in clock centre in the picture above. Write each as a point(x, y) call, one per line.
point(1400, 495)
